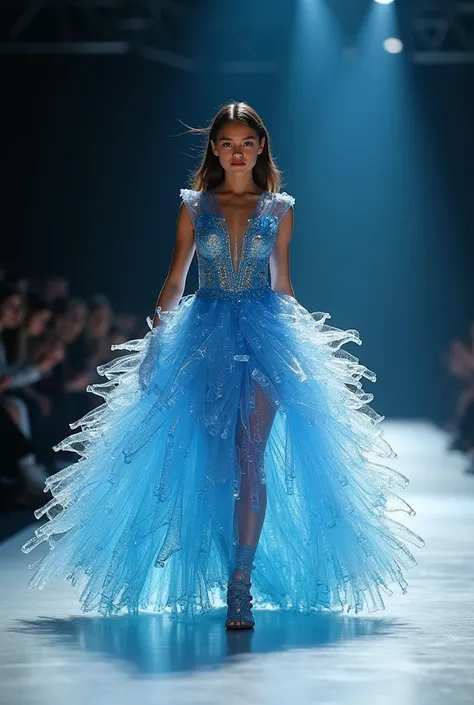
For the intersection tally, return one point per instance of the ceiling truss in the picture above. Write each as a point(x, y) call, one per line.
point(443, 32)
point(440, 32)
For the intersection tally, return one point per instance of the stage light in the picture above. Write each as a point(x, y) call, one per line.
point(393, 45)
point(384, 2)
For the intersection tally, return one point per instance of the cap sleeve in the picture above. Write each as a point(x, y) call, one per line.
point(192, 201)
point(283, 202)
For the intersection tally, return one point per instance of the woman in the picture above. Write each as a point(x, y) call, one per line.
point(235, 389)
point(19, 456)
point(20, 371)
point(26, 344)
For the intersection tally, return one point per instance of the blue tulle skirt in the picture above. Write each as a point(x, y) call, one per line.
point(145, 517)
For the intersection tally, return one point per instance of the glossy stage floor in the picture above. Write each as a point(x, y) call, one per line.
point(420, 650)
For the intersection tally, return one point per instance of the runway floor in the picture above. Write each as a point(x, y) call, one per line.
point(420, 650)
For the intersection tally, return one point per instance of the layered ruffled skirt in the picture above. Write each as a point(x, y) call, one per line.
point(145, 517)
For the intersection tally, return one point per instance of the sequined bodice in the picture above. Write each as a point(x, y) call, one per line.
point(217, 273)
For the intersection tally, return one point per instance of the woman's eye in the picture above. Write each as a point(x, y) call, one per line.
point(229, 144)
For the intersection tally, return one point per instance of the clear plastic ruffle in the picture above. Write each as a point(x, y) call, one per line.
point(144, 518)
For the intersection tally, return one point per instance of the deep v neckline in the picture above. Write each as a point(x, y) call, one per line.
point(218, 213)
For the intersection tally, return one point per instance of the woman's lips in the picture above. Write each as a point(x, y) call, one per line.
point(237, 163)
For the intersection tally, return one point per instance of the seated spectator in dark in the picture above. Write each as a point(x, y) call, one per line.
point(20, 470)
point(29, 343)
point(96, 334)
point(67, 327)
point(460, 361)
point(66, 387)
point(18, 373)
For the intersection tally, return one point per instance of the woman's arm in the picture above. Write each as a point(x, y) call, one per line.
point(183, 254)
point(280, 257)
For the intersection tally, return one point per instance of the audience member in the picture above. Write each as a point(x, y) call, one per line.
point(50, 347)
point(459, 361)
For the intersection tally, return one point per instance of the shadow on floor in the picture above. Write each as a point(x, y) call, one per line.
point(154, 644)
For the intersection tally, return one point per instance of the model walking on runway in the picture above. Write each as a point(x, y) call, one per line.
point(231, 451)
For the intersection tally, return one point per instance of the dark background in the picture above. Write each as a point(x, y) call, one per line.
point(379, 155)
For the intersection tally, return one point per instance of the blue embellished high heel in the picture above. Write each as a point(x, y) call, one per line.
point(239, 606)
point(239, 599)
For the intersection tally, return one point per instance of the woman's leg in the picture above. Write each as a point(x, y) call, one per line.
point(251, 506)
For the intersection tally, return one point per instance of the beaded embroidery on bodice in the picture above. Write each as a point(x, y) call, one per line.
point(217, 272)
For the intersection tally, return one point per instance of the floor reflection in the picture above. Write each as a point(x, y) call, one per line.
point(154, 644)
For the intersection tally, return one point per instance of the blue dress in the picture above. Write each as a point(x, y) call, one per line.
point(145, 517)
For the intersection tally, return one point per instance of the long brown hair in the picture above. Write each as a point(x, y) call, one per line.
point(210, 172)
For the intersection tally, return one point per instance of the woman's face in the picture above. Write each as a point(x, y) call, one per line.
point(237, 147)
point(12, 311)
point(38, 323)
